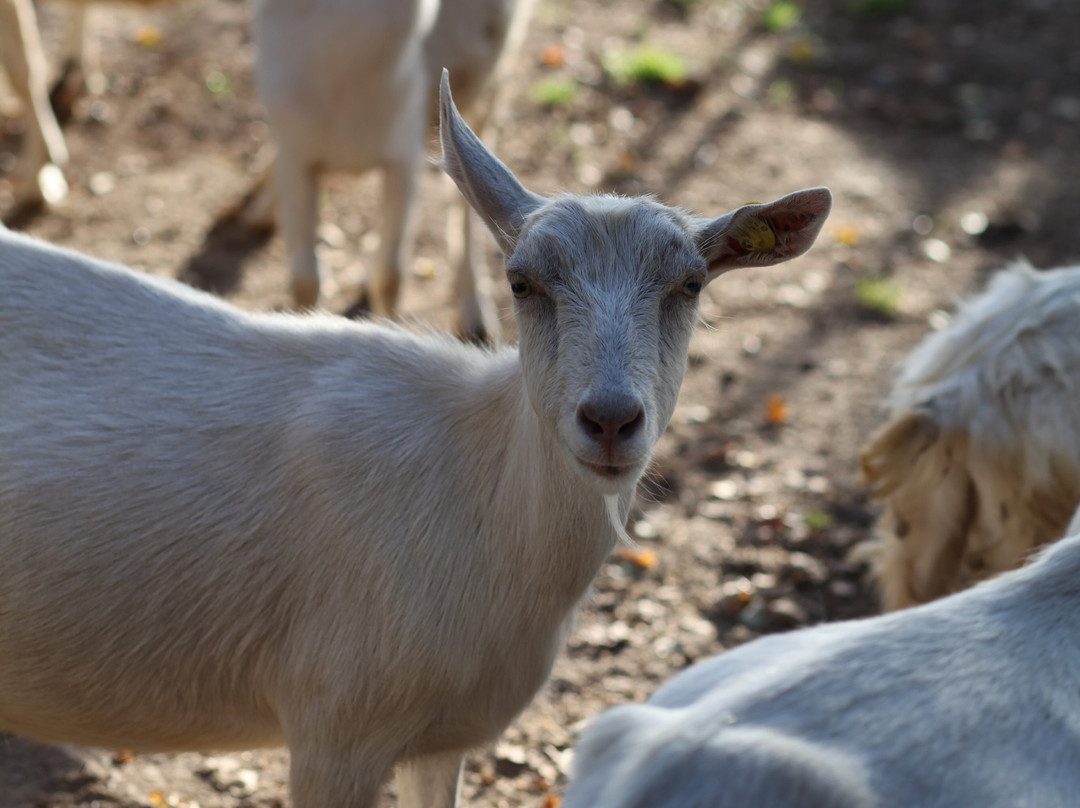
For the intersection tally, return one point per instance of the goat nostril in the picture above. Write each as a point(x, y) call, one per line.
point(590, 423)
point(630, 426)
point(614, 423)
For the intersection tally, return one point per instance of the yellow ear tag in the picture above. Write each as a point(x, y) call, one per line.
point(755, 235)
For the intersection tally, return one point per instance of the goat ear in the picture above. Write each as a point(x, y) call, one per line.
point(762, 235)
point(494, 193)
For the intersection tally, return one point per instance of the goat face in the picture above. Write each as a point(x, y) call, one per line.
point(606, 292)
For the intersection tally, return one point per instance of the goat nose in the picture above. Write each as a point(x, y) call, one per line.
point(611, 421)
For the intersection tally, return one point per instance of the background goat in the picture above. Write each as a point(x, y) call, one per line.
point(239, 530)
point(980, 460)
point(352, 87)
point(968, 701)
point(41, 177)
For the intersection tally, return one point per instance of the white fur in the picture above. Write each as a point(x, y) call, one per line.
point(350, 85)
point(967, 702)
point(224, 530)
point(980, 461)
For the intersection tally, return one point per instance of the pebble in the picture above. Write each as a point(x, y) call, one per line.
point(781, 614)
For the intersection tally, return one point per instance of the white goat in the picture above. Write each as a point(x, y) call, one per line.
point(967, 702)
point(351, 86)
point(224, 530)
point(40, 180)
point(980, 461)
point(41, 177)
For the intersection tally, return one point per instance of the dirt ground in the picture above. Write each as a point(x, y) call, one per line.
point(948, 132)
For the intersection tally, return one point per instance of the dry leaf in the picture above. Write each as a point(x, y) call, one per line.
point(148, 36)
point(553, 56)
point(552, 801)
point(776, 409)
point(847, 235)
point(646, 559)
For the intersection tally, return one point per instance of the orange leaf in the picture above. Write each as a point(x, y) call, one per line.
point(552, 801)
point(553, 56)
point(776, 409)
point(847, 235)
point(646, 559)
point(148, 36)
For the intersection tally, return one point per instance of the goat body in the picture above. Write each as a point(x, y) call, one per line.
point(225, 530)
point(980, 461)
point(349, 85)
point(967, 702)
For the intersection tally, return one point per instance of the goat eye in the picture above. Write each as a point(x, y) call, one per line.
point(692, 287)
point(520, 286)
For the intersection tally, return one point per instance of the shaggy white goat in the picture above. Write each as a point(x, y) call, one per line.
point(980, 462)
point(967, 702)
point(225, 530)
point(351, 86)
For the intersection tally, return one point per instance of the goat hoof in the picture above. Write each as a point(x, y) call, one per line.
point(361, 308)
point(305, 293)
point(51, 184)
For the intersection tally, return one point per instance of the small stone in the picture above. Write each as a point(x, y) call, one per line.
point(101, 183)
point(724, 489)
point(331, 235)
point(843, 589)
point(974, 222)
point(767, 616)
point(696, 414)
point(645, 529)
point(936, 250)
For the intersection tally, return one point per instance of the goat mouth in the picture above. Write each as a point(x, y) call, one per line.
point(607, 471)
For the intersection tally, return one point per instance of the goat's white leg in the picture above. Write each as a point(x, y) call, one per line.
point(258, 210)
point(477, 318)
point(44, 150)
point(79, 59)
point(430, 782)
point(346, 776)
point(399, 194)
point(298, 212)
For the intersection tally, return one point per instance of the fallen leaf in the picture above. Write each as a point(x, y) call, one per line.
point(847, 235)
point(148, 36)
point(776, 409)
point(646, 559)
point(553, 56)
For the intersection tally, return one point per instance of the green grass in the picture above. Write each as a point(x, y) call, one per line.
point(879, 296)
point(553, 92)
point(782, 15)
point(817, 520)
point(646, 65)
point(218, 85)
